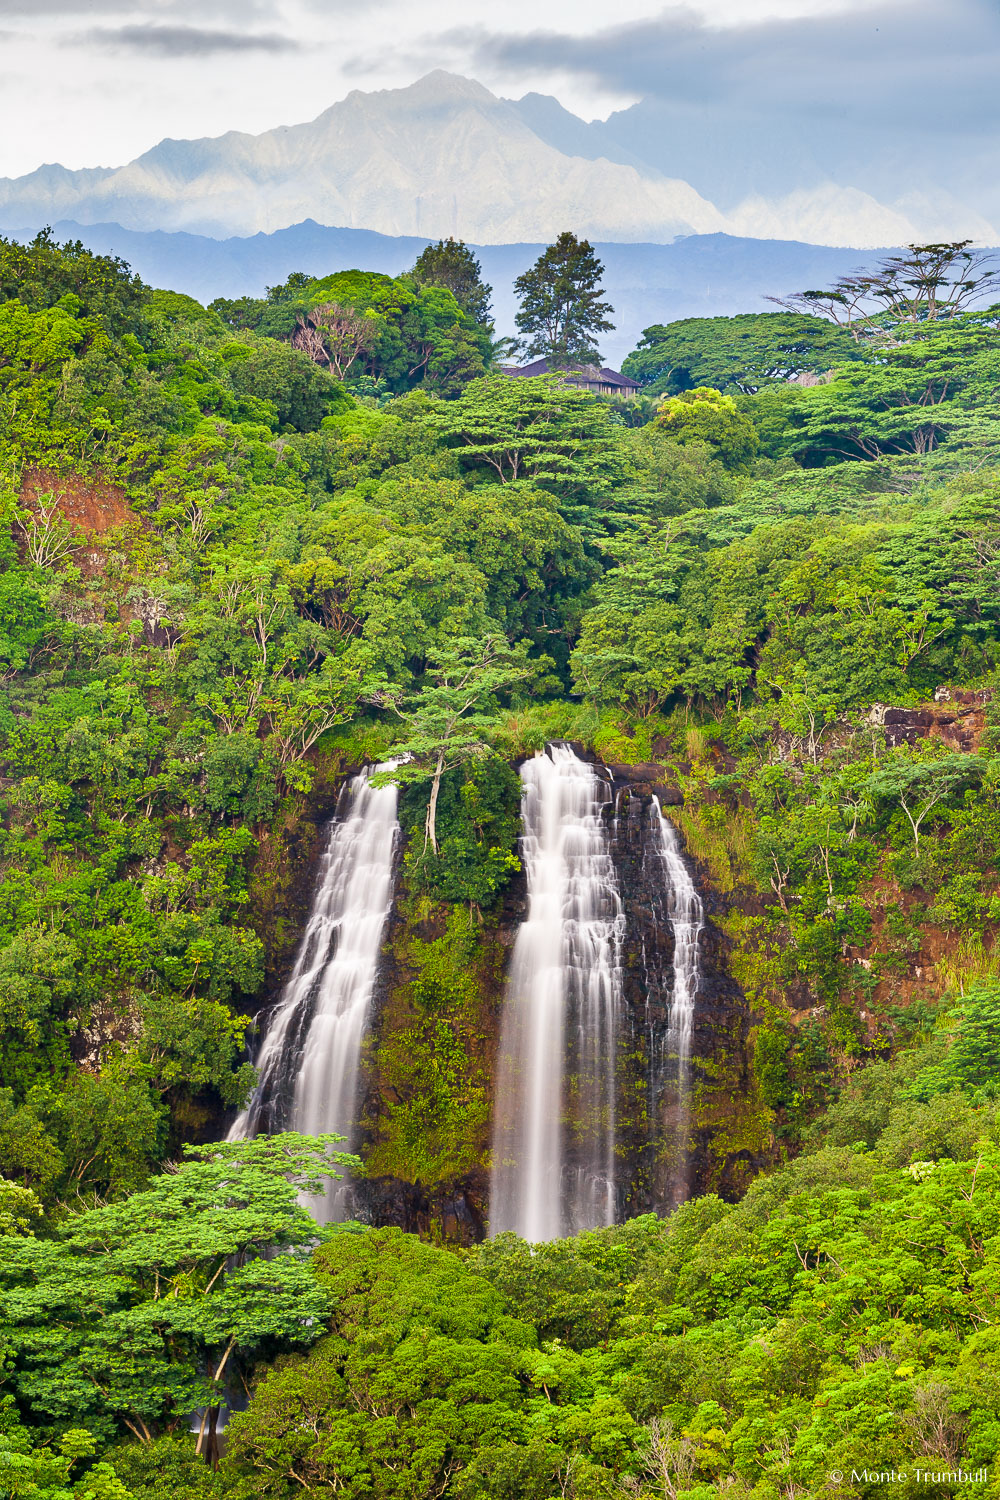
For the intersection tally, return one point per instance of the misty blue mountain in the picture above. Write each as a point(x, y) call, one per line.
point(446, 156)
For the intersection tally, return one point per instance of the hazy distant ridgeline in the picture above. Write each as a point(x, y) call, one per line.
point(697, 276)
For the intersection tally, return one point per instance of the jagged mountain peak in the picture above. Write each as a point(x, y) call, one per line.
point(439, 84)
point(436, 91)
point(443, 155)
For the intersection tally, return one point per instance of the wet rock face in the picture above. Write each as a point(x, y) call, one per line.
point(903, 726)
point(454, 1214)
point(283, 880)
point(666, 1154)
point(646, 780)
point(645, 1101)
point(956, 717)
point(664, 1147)
point(454, 1211)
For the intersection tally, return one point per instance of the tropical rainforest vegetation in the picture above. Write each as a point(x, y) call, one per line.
point(250, 546)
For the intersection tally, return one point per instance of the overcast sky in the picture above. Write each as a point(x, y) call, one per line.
point(96, 82)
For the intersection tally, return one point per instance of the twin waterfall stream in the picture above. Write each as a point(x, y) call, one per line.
point(561, 1013)
point(308, 1065)
point(554, 1146)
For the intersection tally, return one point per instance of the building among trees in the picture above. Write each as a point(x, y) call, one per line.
point(601, 381)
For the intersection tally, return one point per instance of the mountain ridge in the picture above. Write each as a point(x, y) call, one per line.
point(443, 156)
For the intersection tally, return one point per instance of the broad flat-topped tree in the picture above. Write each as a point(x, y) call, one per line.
point(128, 1317)
point(929, 282)
point(742, 353)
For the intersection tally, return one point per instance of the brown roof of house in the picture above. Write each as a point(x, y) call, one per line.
point(588, 374)
point(615, 377)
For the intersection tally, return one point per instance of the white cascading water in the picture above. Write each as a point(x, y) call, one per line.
point(687, 918)
point(554, 1137)
point(308, 1066)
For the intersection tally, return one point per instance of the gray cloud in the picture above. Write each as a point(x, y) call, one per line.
point(904, 64)
point(186, 41)
point(34, 9)
point(163, 11)
point(896, 99)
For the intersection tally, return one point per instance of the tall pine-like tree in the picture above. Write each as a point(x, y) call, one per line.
point(562, 313)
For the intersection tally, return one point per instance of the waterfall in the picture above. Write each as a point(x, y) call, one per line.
point(309, 1062)
point(686, 914)
point(554, 1138)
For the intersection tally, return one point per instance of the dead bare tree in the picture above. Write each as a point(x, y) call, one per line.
point(48, 535)
point(668, 1463)
point(335, 336)
point(936, 1431)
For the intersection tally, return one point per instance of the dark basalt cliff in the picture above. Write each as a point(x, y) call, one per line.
point(668, 1143)
point(453, 1206)
point(430, 1058)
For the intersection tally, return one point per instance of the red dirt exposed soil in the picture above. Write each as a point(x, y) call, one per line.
point(91, 505)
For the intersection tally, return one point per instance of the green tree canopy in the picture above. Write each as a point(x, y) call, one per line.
point(562, 314)
point(43, 272)
point(919, 784)
point(130, 1316)
point(413, 1380)
point(925, 284)
point(451, 716)
point(382, 334)
point(704, 415)
point(926, 388)
point(537, 430)
point(744, 353)
point(451, 264)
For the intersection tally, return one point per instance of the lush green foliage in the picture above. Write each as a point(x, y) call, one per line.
point(807, 613)
point(703, 415)
point(744, 353)
point(227, 577)
point(214, 557)
point(129, 1316)
point(450, 263)
point(837, 1319)
point(383, 334)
